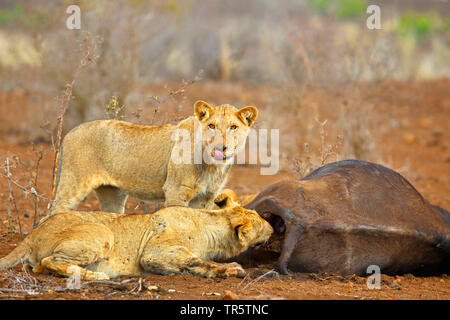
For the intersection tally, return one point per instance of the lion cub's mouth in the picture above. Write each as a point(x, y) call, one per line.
point(259, 245)
point(220, 155)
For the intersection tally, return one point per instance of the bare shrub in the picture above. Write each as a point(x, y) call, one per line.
point(313, 159)
point(23, 185)
point(23, 282)
point(159, 102)
point(353, 121)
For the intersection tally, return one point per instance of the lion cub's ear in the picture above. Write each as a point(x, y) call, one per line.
point(226, 198)
point(203, 110)
point(247, 115)
point(242, 226)
point(243, 232)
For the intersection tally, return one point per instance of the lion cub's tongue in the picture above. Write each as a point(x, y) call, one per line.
point(218, 155)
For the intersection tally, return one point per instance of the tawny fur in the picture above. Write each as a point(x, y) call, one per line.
point(228, 197)
point(100, 245)
point(119, 159)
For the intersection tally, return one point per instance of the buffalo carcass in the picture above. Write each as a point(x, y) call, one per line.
point(348, 215)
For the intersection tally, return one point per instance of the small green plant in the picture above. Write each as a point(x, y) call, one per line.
point(16, 16)
point(351, 8)
point(113, 110)
point(321, 6)
point(446, 25)
point(417, 25)
point(10, 16)
point(344, 9)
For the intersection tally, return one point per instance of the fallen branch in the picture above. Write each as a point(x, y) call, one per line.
point(268, 296)
point(11, 297)
point(103, 282)
point(33, 288)
point(13, 290)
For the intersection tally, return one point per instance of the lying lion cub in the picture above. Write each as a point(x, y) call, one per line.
point(100, 245)
point(119, 159)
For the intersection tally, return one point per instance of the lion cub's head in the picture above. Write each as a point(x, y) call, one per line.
point(224, 129)
point(248, 226)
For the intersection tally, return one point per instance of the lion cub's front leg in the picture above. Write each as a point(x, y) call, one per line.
point(210, 269)
point(178, 196)
point(203, 201)
point(178, 259)
point(179, 187)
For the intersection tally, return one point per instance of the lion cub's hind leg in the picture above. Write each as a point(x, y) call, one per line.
point(65, 269)
point(178, 259)
point(111, 199)
point(69, 194)
point(82, 245)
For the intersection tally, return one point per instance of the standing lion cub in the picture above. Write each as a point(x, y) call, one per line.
point(119, 159)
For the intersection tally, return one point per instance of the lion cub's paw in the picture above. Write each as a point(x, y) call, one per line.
point(96, 276)
point(101, 276)
point(234, 270)
point(38, 269)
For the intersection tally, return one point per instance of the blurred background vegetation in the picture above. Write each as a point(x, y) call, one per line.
point(250, 40)
point(289, 45)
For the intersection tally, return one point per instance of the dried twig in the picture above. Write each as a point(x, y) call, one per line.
point(13, 290)
point(257, 279)
point(26, 283)
point(242, 281)
point(12, 199)
point(25, 189)
point(89, 50)
point(268, 296)
point(106, 282)
point(317, 277)
point(39, 156)
point(323, 153)
point(299, 48)
point(22, 283)
point(308, 163)
point(172, 93)
point(8, 296)
point(137, 288)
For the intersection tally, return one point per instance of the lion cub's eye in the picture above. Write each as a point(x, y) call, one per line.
point(211, 126)
point(233, 127)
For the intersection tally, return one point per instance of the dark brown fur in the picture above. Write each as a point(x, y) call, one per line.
point(350, 214)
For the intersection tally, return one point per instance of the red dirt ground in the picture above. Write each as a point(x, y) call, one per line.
point(421, 141)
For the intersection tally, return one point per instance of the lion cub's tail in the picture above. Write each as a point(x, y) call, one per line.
point(19, 254)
